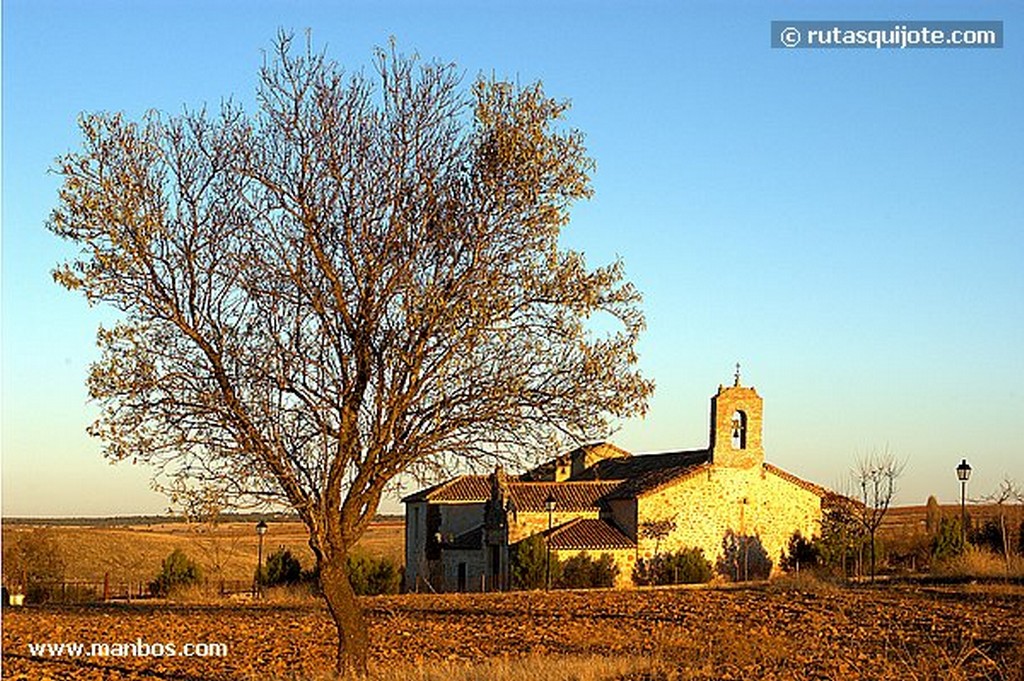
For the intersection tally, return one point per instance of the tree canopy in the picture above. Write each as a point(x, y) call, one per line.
point(361, 278)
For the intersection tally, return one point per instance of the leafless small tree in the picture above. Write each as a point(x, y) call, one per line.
point(1008, 499)
point(875, 478)
point(362, 279)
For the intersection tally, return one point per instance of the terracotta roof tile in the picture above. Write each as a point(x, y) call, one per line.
point(631, 467)
point(655, 480)
point(465, 489)
point(569, 496)
point(589, 534)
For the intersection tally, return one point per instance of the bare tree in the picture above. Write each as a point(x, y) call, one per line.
point(1008, 494)
point(360, 279)
point(875, 477)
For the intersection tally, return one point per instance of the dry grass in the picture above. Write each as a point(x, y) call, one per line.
point(549, 668)
point(976, 562)
point(806, 581)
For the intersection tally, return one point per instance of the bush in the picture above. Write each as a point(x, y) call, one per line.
point(529, 564)
point(800, 553)
point(282, 569)
point(373, 576)
point(948, 541)
point(688, 566)
point(583, 572)
point(178, 571)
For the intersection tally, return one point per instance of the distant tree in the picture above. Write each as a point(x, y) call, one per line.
point(799, 553)
point(32, 562)
point(875, 477)
point(529, 564)
point(362, 279)
point(840, 533)
point(933, 516)
point(743, 558)
point(1009, 502)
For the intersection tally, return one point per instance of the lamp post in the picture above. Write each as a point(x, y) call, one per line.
point(963, 474)
point(261, 529)
point(550, 505)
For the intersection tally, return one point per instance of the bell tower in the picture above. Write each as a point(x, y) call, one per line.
point(736, 426)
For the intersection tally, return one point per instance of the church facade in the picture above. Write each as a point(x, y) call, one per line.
point(602, 499)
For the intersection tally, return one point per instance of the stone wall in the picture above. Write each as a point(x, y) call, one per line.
point(748, 449)
point(459, 518)
point(528, 523)
point(748, 501)
point(475, 569)
point(415, 541)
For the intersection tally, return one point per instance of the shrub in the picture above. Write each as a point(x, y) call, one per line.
point(282, 569)
point(989, 536)
point(373, 576)
point(529, 564)
point(948, 541)
point(800, 553)
point(178, 571)
point(583, 572)
point(687, 566)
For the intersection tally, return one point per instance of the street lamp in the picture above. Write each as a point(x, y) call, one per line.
point(963, 474)
point(261, 529)
point(550, 505)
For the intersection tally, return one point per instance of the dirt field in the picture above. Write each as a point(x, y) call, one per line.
point(752, 633)
point(227, 551)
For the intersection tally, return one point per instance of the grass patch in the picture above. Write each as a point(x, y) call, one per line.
point(975, 562)
point(549, 668)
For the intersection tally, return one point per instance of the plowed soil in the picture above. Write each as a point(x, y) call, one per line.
point(749, 633)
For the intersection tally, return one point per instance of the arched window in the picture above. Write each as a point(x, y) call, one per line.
point(739, 430)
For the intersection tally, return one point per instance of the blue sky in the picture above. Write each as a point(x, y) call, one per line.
point(849, 225)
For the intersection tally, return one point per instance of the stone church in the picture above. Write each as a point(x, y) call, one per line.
point(602, 499)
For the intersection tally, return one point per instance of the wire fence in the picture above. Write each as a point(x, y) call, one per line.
point(84, 591)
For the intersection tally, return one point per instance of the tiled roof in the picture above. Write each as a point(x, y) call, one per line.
point(465, 489)
point(569, 496)
point(589, 534)
point(657, 479)
point(627, 467)
point(799, 482)
point(546, 470)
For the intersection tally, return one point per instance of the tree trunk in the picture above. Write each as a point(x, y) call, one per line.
point(872, 556)
point(347, 613)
